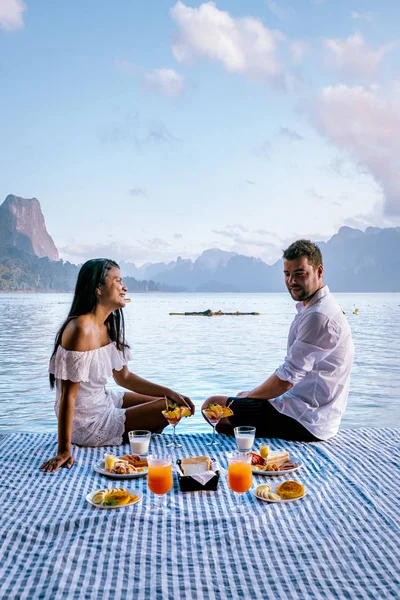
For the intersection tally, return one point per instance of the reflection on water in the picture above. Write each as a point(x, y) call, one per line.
point(198, 356)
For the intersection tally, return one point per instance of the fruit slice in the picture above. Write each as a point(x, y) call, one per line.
point(213, 412)
point(116, 497)
point(226, 411)
point(174, 412)
point(99, 497)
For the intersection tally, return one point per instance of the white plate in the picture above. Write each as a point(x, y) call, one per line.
point(100, 469)
point(282, 501)
point(132, 492)
point(293, 459)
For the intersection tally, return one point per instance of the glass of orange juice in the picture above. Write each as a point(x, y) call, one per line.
point(240, 477)
point(159, 480)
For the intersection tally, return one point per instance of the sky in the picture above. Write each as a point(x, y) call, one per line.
point(155, 129)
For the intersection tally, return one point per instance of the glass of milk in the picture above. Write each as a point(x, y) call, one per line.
point(139, 441)
point(244, 437)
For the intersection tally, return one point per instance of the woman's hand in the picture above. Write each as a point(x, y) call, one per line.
point(63, 459)
point(182, 400)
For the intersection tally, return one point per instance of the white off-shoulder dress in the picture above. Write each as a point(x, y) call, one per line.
point(99, 419)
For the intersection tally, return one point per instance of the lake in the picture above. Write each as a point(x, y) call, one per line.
point(198, 356)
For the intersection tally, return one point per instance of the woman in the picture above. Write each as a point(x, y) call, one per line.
point(90, 347)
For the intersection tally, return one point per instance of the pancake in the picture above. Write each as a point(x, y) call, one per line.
point(288, 490)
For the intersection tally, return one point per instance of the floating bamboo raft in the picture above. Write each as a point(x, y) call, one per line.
point(210, 313)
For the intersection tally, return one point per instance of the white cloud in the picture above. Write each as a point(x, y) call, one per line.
point(138, 191)
point(278, 10)
point(11, 14)
point(375, 218)
point(153, 250)
point(263, 150)
point(353, 57)
point(133, 131)
point(167, 81)
point(366, 125)
point(241, 45)
point(357, 16)
point(290, 134)
point(125, 66)
point(251, 242)
point(298, 49)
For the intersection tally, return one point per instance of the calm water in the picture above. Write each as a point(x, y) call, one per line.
point(198, 356)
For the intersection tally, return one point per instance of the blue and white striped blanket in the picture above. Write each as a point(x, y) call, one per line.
point(340, 541)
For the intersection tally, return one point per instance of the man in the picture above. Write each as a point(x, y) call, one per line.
point(306, 397)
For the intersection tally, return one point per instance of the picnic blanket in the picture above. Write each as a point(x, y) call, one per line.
point(339, 541)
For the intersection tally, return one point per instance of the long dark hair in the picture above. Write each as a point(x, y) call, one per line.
point(92, 274)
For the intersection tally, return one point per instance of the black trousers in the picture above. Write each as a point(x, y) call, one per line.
point(268, 422)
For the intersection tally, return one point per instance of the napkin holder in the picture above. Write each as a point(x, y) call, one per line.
point(188, 484)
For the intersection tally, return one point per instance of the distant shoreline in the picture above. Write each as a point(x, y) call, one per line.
point(58, 292)
point(154, 292)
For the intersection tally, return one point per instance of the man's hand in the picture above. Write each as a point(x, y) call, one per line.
point(242, 395)
point(63, 459)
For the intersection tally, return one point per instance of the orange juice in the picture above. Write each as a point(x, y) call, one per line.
point(239, 476)
point(159, 478)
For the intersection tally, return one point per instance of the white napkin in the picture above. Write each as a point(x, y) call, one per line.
point(203, 478)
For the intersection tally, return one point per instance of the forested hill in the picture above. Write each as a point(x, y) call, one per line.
point(24, 272)
point(29, 260)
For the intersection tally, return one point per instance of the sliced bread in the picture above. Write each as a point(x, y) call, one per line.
point(277, 457)
point(194, 466)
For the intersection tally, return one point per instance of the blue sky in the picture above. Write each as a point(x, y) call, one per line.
point(149, 130)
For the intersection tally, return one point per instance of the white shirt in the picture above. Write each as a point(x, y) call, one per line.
point(320, 354)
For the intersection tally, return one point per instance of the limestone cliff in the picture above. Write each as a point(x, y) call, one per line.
point(22, 226)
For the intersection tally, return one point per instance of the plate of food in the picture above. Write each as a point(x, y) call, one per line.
point(113, 498)
point(128, 466)
point(274, 463)
point(288, 491)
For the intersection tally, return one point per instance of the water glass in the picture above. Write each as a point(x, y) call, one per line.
point(245, 437)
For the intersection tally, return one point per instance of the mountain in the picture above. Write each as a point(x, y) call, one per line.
point(29, 259)
point(357, 261)
point(22, 226)
point(213, 258)
point(354, 261)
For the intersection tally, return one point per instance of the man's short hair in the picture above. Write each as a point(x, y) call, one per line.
point(304, 248)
